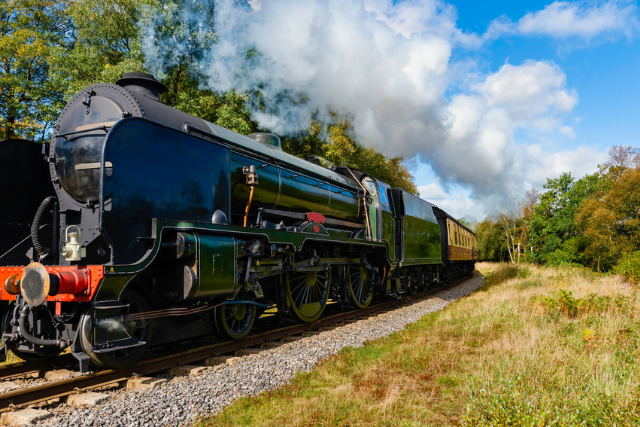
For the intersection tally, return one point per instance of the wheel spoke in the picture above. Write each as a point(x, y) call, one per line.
point(299, 298)
point(307, 294)
point(359, 281)
point(294, 290)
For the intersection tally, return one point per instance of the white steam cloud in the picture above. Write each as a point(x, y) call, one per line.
point(387, 65)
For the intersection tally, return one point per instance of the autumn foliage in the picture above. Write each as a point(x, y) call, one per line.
point(592, 222)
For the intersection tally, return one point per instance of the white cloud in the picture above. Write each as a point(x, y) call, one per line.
point(479, 149)
point(531, 166)
point(568, 132)
point(565, 19)
point(255, 4)
point(528, 90)
point(537, 164)
point(422, 17)
point(414, 16)
point(572, 19)
point(432, 192)
point(456, 200)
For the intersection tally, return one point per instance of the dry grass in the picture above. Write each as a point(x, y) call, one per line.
point(534, 346)
point(11, 358)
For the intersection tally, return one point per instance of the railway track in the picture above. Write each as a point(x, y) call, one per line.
point(61, 389)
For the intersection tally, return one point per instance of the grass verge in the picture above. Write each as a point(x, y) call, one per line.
point(535, 346)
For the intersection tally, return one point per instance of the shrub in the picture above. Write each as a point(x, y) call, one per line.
point(571, 307)
point(629, 266)
point(561, 258)
point(516, 404)
point(523, 273)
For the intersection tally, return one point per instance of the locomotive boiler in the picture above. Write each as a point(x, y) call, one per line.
point(139, 225)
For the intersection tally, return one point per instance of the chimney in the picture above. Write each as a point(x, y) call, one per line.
point(142, 84)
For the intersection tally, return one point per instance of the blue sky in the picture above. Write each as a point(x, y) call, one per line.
point(601, 69)
point(486, 99)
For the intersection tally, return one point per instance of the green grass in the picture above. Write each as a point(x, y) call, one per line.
point(534, 347)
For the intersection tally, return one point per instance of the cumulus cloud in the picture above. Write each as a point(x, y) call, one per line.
point(387, 66)
point(422, 17)
point(537, 164)
point(568, 132)
point(455, 200)
point(432, 191)
point(529, 90)
point(565, 19)
point(479, 146)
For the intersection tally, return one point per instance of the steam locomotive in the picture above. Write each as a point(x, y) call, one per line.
point(140, 225)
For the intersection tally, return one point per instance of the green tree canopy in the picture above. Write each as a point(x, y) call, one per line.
point(552, 228)
point(491, 244)
point(610, 217)
point(29, 31)
point(102, 45)
point(338, 147)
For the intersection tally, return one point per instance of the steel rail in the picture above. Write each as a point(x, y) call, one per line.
point(60, 389)
point(24, 369)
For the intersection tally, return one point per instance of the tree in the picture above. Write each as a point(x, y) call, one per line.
point(610, 218)
point(527, 207)
point(491, 244)
point(29, 31)
point(552, 228)
point(102, 45)
point(340, 148)
point(509, 224)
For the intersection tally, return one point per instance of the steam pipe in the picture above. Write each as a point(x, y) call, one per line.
point(246, 210)
point(35, 340)
point(35, 227)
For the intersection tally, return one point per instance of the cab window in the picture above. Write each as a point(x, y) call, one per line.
point(370, 185)
point(384, 199)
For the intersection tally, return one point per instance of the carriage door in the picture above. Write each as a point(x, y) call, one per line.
point(375, 219)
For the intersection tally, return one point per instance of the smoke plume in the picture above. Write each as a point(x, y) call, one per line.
point(385, 64)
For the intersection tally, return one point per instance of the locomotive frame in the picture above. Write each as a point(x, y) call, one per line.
point(164, 227)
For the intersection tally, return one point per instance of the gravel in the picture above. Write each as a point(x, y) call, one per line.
point(181, 400)
point(20, 383)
